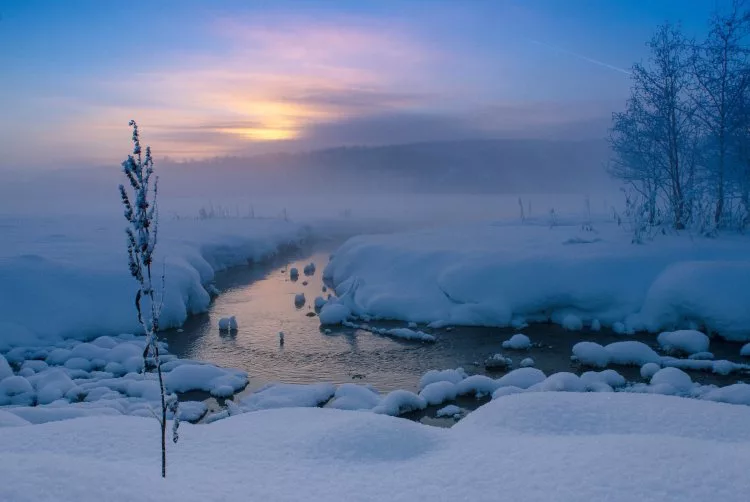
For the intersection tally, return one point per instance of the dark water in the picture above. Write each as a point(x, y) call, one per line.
point(262, 299)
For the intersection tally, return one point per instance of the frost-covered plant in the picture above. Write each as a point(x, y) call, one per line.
point(520, 207)
point(142, 214)
point(552, 218)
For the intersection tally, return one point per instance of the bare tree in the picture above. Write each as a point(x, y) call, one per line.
point(720, 69)
point(654, 139)
point(142, 214)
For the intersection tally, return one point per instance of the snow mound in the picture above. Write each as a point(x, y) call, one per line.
point(609, 377)
point(498, 362)
point(449, 411)
point(228, 324)
point(527, 363)
point(648, 370)
point(309, 269)
point(745, 350)
point(220, 382)
point(560, 382)
point(299, 300)
point(398, 402)
point(591, 354)
point(631, 353)
point(674, 378)
point(439, 392)
point(479, 385)
point(286, 395)
point(517, 342)
point(351, 396)
point(685, 341)
point(522, 378)
point(432, 376)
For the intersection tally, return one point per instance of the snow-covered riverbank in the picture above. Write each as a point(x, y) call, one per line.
point(68, 277)
point(509, 274)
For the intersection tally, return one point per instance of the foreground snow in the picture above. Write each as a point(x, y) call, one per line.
point(532, 447)
point(69, 277)
point(504, 274)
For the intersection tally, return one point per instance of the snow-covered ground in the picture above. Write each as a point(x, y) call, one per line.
point(68, 277)
point(531, 447)
point(510, 273)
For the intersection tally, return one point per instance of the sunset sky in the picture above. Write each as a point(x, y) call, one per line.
point(230, 77)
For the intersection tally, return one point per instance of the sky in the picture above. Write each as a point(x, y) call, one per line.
point(218, 78)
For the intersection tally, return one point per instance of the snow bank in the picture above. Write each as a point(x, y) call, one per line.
point(346, 455)
point(64, 278)
point(517, 342)
point(491, 274)
point(334, 313)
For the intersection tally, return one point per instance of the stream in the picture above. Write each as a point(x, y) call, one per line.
point(262, 298)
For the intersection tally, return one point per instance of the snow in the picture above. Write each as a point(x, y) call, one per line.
point(439, 392)
point(5, 370)
point(220, 382)
point(409, 334)
point(674, 378)
point(560, 382)
point(745, 350)
point(293, 273)
point(334, 313)
point(648, 370)
point(491, 274)
point(192, 411)
point(299, 300)
point(584, 444)
point(701, 355)
point(498, 362)
point(450, 375)
point(351, 396)
point(309, 269)
point(69, 278)
point(591, 354)
point(517, 342)
point(527, 363)
point(685, 341)
point(631, 353)
point(320, 302)
point(16, 390)
point(596, 325)
point(399, 402)
point(609, 377)
point(572, 322)
point(522, 378)
point(284, 395)
point(449, 411)
point(478, 385)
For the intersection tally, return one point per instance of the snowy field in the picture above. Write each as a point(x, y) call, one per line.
point(531, 447)
point(510, 274)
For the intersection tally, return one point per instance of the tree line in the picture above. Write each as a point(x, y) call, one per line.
point(682, 144)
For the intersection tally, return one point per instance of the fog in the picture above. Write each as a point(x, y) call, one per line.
point(454, 177)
